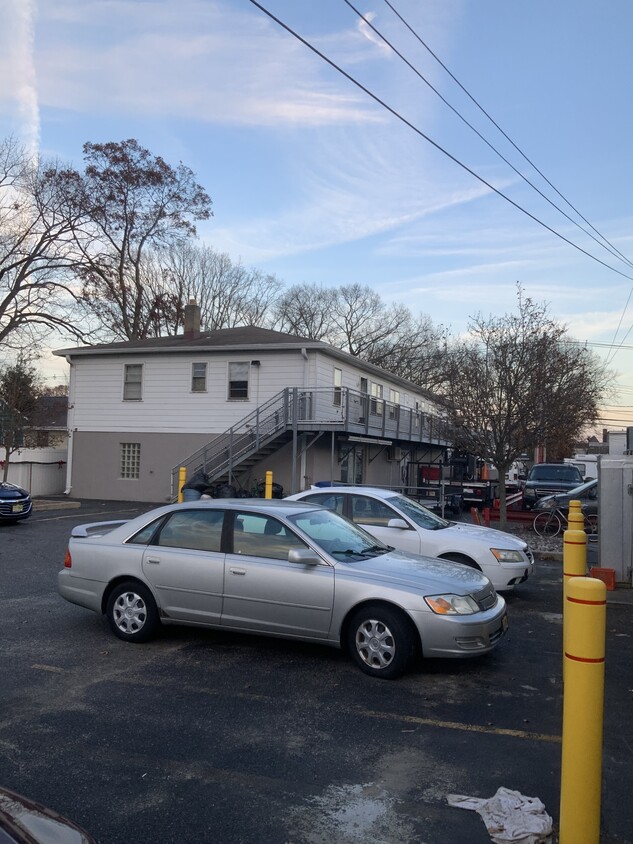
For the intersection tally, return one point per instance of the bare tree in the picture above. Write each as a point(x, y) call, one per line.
point(516, 382)
point(306, 310)
point(20, 386)
point(135, 204)
point(38, 222)
point(228, 293)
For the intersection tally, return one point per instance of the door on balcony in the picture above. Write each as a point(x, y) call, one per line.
point(352, 464)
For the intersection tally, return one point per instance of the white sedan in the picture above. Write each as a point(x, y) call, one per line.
point(406, 525)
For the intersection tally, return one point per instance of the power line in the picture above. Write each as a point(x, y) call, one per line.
point(604, 245)
point(433, 143)
point(530, 162)
point(505, 135)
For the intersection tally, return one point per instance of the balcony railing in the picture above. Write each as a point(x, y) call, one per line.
point(296, 410)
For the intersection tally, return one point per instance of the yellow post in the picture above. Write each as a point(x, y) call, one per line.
point(583, 707)
point(182, 477)
point(576, 517)
point(268, 485)
point(574, 565)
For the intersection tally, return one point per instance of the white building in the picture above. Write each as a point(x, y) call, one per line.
point(238, 402)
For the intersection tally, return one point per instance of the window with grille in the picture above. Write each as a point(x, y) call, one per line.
point(198, 377)
point(131, 460)
point(133, 382)
point(238, 380)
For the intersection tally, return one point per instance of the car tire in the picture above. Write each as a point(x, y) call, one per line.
point(463, 559)
point(132, 613)
point(381, 641)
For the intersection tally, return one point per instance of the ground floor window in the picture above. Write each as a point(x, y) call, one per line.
point(131, 460)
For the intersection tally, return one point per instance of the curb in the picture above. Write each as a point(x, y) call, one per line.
point(46, 504)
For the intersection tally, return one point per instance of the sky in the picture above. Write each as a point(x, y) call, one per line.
point(313, 179)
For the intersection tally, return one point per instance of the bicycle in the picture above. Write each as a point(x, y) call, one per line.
point(549, 523)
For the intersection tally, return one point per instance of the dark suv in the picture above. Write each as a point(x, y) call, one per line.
point(548, 479)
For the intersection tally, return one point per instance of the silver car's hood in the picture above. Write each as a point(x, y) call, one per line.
point(428, 574)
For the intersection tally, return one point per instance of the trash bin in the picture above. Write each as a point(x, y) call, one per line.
point(191, 494)
point(197, 484)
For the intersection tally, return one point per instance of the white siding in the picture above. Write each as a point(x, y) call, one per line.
point(168, 405)
point(351, 379)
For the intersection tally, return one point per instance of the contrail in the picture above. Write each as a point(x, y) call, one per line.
point(21, 25)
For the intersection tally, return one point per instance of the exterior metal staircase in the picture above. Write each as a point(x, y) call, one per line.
point(230, 456)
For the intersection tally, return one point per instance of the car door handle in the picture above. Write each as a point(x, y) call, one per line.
point(153, 560)
point(237, 571)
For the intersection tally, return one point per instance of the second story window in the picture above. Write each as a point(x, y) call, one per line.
point(238, 380)
point(394, 404)
point(133, 382)
point(198, 377)
point(338, 387)
point(376, 398)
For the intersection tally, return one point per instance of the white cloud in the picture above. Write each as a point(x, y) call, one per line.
point(18, 94)
point(222, 66)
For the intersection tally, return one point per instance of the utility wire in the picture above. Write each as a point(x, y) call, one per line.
point(529, 161)
point(433, 143)
point(505, 135)
point(604, 245)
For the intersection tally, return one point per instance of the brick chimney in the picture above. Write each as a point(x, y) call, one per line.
point(192, 320)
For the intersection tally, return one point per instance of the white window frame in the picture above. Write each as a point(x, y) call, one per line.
point(376, 403)
point(197, 378)
point(394, 403)
point(231, 381)
point(337, 395)
point(129, 383)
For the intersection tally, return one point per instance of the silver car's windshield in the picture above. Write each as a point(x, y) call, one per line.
point(337, 536)
point(417, 513)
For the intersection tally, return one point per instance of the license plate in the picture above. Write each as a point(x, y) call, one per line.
point(504, 623)
point(470, 491)
point(17, 508)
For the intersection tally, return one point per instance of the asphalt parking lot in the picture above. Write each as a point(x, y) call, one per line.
point(204, 736)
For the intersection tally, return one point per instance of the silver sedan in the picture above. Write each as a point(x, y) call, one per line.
point(280, 568)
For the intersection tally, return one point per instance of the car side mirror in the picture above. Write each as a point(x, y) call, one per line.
point(304, 557)
point(400, 524)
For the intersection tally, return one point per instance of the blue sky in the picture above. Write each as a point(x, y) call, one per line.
point(313, 181)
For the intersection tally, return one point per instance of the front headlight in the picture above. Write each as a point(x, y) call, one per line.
point(505, 556)
point(550, 504)
point(452, 604)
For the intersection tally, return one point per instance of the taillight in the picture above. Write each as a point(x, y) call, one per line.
point(68, 560)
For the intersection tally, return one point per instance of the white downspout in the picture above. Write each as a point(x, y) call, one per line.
point(304, 455)
point(70, 424)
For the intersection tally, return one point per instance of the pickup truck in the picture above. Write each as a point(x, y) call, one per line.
point(548, 479)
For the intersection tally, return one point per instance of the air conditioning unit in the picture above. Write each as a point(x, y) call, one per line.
point(394, 452)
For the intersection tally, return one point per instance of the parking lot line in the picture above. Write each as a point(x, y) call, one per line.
point(456, 725)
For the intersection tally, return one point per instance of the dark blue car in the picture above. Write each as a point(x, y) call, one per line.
point(15, 503)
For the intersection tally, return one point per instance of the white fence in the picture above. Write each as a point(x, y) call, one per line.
point(40, 470)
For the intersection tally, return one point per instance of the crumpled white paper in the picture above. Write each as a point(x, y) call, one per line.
point(509, 816)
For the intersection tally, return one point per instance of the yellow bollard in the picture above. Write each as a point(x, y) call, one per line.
point(574, 565)
point(575, 516)
point(583, 707)
point(268, 485)
point(182, 477)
